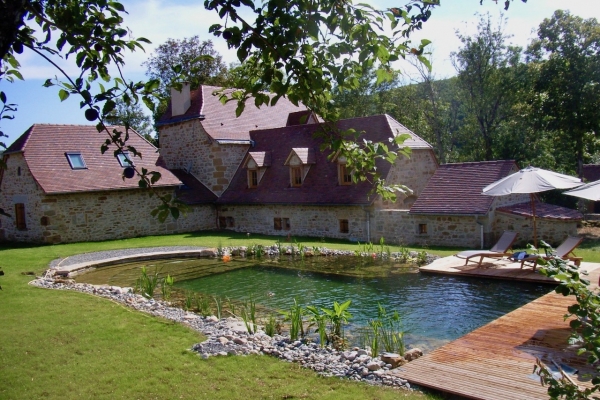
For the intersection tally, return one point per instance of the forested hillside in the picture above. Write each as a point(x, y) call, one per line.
point(539, 106)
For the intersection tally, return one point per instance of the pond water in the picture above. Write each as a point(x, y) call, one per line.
point(435, 309)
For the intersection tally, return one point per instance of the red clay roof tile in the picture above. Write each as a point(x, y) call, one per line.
point(44, 147)
point(219, 119)
point(455, 189)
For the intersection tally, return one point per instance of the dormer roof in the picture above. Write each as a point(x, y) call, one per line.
point(306, 155)
point(260, 158)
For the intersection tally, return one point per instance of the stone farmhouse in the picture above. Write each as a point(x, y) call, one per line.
point(58, 187)
point(262, 172)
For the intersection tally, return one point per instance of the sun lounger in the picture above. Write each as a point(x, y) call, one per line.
point(564, 251)
point(500, 249)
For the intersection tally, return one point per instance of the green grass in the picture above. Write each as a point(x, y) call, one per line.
point(63, 344)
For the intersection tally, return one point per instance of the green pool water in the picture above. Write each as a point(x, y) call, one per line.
point(435, 309)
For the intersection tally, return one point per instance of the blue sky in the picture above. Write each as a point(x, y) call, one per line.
point(159, 20)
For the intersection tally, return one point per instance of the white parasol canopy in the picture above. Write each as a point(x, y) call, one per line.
point(531, 180)
point(589, 191)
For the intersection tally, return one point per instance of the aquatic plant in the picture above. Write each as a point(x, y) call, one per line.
point(204, 306)
point(146, 284)
point(167, 286)
point(391, 331)
point(271, 325)
point(421, 258)
point(320, 320)
point(188, 299)
point(295, 317)
point(231, 306)
point(404, 255)
point(338, 316)
point(218, 305)
point(248, 313)
point(381, 246)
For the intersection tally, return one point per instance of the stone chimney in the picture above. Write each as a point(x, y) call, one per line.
point(180, 101)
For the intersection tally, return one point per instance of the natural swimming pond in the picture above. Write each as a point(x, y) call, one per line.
point(434, 309)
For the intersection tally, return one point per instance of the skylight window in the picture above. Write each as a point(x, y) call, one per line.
point(124, 159)
point(76, 161)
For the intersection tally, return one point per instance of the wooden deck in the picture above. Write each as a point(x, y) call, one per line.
point(490, 268)
point(497, 360)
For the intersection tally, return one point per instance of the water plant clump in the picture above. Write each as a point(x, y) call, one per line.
point(147, 283)
point(385, 332)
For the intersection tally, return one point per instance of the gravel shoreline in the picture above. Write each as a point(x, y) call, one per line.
point(229, 336)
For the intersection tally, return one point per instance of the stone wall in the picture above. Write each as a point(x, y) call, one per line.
point(18, 186)
point(413, 172)
point(398, 227)
point(86, 216)
point(550, 230)
point(186, 145)
point(317, 221)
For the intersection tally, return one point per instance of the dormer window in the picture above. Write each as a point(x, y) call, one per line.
point(344, 174)
point(256, 165)
point(76, 160)
point(299, 161)
point(296, 176)
point(124, 159)
point(252, 178)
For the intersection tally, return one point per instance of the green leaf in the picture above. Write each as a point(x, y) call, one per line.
point(63, 94)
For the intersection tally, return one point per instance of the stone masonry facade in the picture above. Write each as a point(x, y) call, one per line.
point(413, 172)
point(317, 221)
point(187, 146)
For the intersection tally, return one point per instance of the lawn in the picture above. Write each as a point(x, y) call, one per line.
point(62, 344)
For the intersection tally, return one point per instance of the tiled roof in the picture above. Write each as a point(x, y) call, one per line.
point(320, 186)
point(542, 210)
point(44, 147)
point(219, 119)
point(455, 189)
point(591, 172)
point(192, 191)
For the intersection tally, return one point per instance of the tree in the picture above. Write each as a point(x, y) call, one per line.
point(484, 75)
point(132, 116)
point(298, 49)
point(190, 59)
point(567, 54)
point(369, 98)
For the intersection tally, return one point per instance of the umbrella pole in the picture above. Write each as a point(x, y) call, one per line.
point(534, 224)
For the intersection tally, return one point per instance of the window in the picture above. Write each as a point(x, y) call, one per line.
point(222, 222)
point(422, 229)
point(252, 178)
point(230, 223)
point(281, 223)
point(76, 160)
point(345, 176)
point(20, 216)
point(124, 159)
point(344, 228)
point(296, 173)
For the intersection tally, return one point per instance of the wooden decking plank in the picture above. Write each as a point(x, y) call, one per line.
point(497, 360)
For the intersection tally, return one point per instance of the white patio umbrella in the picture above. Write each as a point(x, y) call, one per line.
point(589, 191)
point(531, 180)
